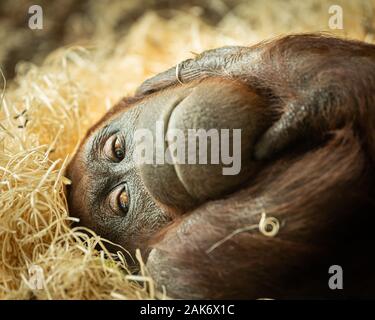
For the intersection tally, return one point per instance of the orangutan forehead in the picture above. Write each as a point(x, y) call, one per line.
point(123, 106)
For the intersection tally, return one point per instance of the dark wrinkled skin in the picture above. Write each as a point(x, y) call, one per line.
point(94, 179)
point(308, 89)
point(156, 193)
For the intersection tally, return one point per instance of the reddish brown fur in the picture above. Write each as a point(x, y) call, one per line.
point(323, 197)
point(320, 198)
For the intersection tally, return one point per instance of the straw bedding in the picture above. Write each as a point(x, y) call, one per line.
point(46, 109)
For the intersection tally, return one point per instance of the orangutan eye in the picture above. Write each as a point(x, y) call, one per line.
point(124, 200)
point(119, 200)
point(114, 149)
point(118, 149)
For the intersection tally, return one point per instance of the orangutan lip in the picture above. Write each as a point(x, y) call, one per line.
point(167, 116)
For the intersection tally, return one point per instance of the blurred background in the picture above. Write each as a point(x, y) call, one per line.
point(93, 22)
